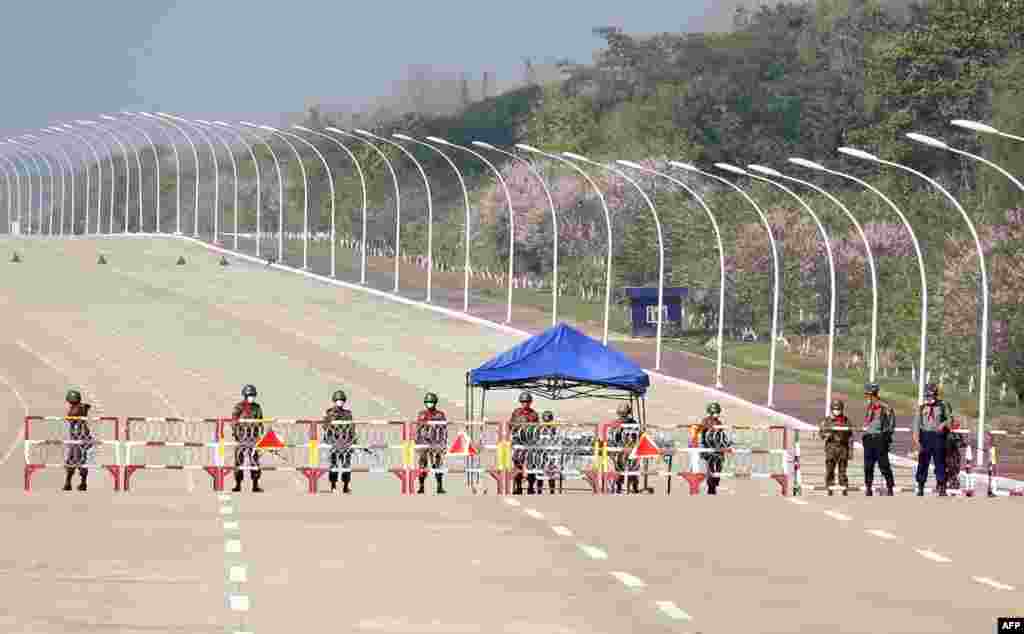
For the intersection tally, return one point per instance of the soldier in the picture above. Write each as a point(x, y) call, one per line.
point(626, 435)
point(838, 446)
point(955, 443)
point(717, 439)
point(436, 436)
point(879, 425)
point(247, 435)
point(520, 457)
point(341, 437)
point(549, 439)
point(81, 435)
point(928, 433)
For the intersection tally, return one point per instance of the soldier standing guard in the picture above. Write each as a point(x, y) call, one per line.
point(436, 437)
point(838, 446)
point(341, 437)
point(879, 425)
point(716, 439)
point(627, 434)
point(549, 439)
point(81, 437)
point(247, 434)
point(524, 414)
point(930, 426)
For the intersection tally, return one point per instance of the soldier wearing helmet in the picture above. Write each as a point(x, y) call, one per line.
point(838, 445)
point(340, 436)
point(625, 437)
point(931, 426)
point(879, 425)
point(435, 439)
point(522, 424)
point(246, 430)
point(717, 440)
point(81, 439)
point(549, 437)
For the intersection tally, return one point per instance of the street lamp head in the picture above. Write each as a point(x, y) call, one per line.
point(130, 114)
point(107, 117)
point(267, 128)
point(528, 148)
point(685, 166)
point(732, 168)
point(248, 124)
point(576, 157)
point(974, 125)
point(483, 145)
point(403, 137)
point(362, 131)
point(333, 129)
point(635, 166)
point(222, 123)
point(855, 153)
point(927, 140)
point(767, 171)
point(203, 121)
point(301, 127)
point(84, 122)
point(808, 164)
point(438, 140)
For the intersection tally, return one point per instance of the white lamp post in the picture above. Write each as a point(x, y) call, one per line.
point(917, 249)
point(156, 169)
point(831, 270)
point(67, 129)
point(28, 178)
point(17, 191)
point(49, 167)
point(280, 194)
point(210, 127)
point(259, 186)
point(195, 158)
point(127, 187)
point(554, 224)
point(305, 192)
point(983, 128)
point(127, 174)
point(607, 220)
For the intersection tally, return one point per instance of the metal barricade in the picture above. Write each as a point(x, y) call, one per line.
point(375, 446)
point(242, 439)
point(72, 442)
point(554, 452)
point(172, 443)
point(742, 452)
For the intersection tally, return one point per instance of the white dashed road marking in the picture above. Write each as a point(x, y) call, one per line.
point(239, 602)
point(927, 554)
point(237, 574)
point(628, 580)
point(671, 610)
point(593, 553)
point(511, 502)
point(231, 526)
point(226, 510)
point(837, 515)
point(223, 497)
point(797, 501)
point(992, 582)
point(881, 533)
point(537, 515)
point(233, 546)
point(561, 530)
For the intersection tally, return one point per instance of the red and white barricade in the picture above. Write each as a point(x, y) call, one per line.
point(171, 443)
point(72, 442)
point(373, 446)
point(554, 453)
point(268, 444)
point(744, 452)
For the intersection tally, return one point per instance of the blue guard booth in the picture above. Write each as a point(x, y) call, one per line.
point(644, 308)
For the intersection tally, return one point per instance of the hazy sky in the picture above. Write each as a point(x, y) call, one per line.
point(256, 58)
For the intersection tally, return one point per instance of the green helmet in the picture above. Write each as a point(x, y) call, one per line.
point(74, 397)
point(837, 405)
point(525, 397)
point(624, 409)
point(871, 389)
point(931, 391)
point(339, 395)
point(714, 409)
point(547, 416)
point(430, 399)
point(248, 390)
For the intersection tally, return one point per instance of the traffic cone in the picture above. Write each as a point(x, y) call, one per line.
point(15, 258)
point(181, 260)
point(102, 260)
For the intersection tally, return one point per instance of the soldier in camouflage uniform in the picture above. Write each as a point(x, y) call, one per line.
point(717, 439)
point(838, 446)
point(524, 432)
point(247, 435)
point(341, 437)
point(79, 432)
point(955, 443)
point(929, 433)
point(879, 425)
point(549, 439)
point(626, 434)
point(436, 436)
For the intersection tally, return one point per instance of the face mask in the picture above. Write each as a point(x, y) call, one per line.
point(339, 403)
point(836, 413)
point(250, 399)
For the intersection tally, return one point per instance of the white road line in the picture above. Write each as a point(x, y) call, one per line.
point(512, 501)
point(535, 514)
point(628, 580)
point(561, 530)
point(837, 515)
point(880, 533)
point(992, 582)
point(18, 435)
point(226, 510)
point(592, 552)
point(927, 554)
point(224, 497)
point(233, 546)
point(231, 526)
point(671, 610)
point(239, 602)
point(798, 501)
point(237, 574)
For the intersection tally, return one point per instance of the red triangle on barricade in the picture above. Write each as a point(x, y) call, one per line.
point(270, 441)
point(645, 449)
point(461, 446)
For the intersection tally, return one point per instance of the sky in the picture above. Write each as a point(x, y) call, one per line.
point(257, 59)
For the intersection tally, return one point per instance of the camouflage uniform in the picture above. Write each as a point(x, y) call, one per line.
point(714, 459)
point(955, 443)
point(341, 437)
point(838, 447)
point(436, 436)
point(247, 435)
point(522, 431)
point(931, 425)
point(625, 434)
point(78, 453)
point(879, 425)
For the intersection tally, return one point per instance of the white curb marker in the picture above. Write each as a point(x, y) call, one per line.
point(880, 533)
point(797, 502)
point(672, 610)
point(233, 546)
point(992, 582)
point(231, 526)
point(837, 515)
point(224, 497)
point(226, 510)
point(511, 502)
point(927, 554)
point(237, 574)
point(537, 515)
point(628, 580)
point(561, 530)
point(239, 602)
point(593, 553)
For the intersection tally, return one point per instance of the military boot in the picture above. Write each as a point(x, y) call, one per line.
point(346, 481)
point(868, 489)
point(81, 485)
point(440, 483)
point(238, 484)
point(256, 486)
point(423, 478)
point(942, 489)
point(920, 489)
point(67, 481)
